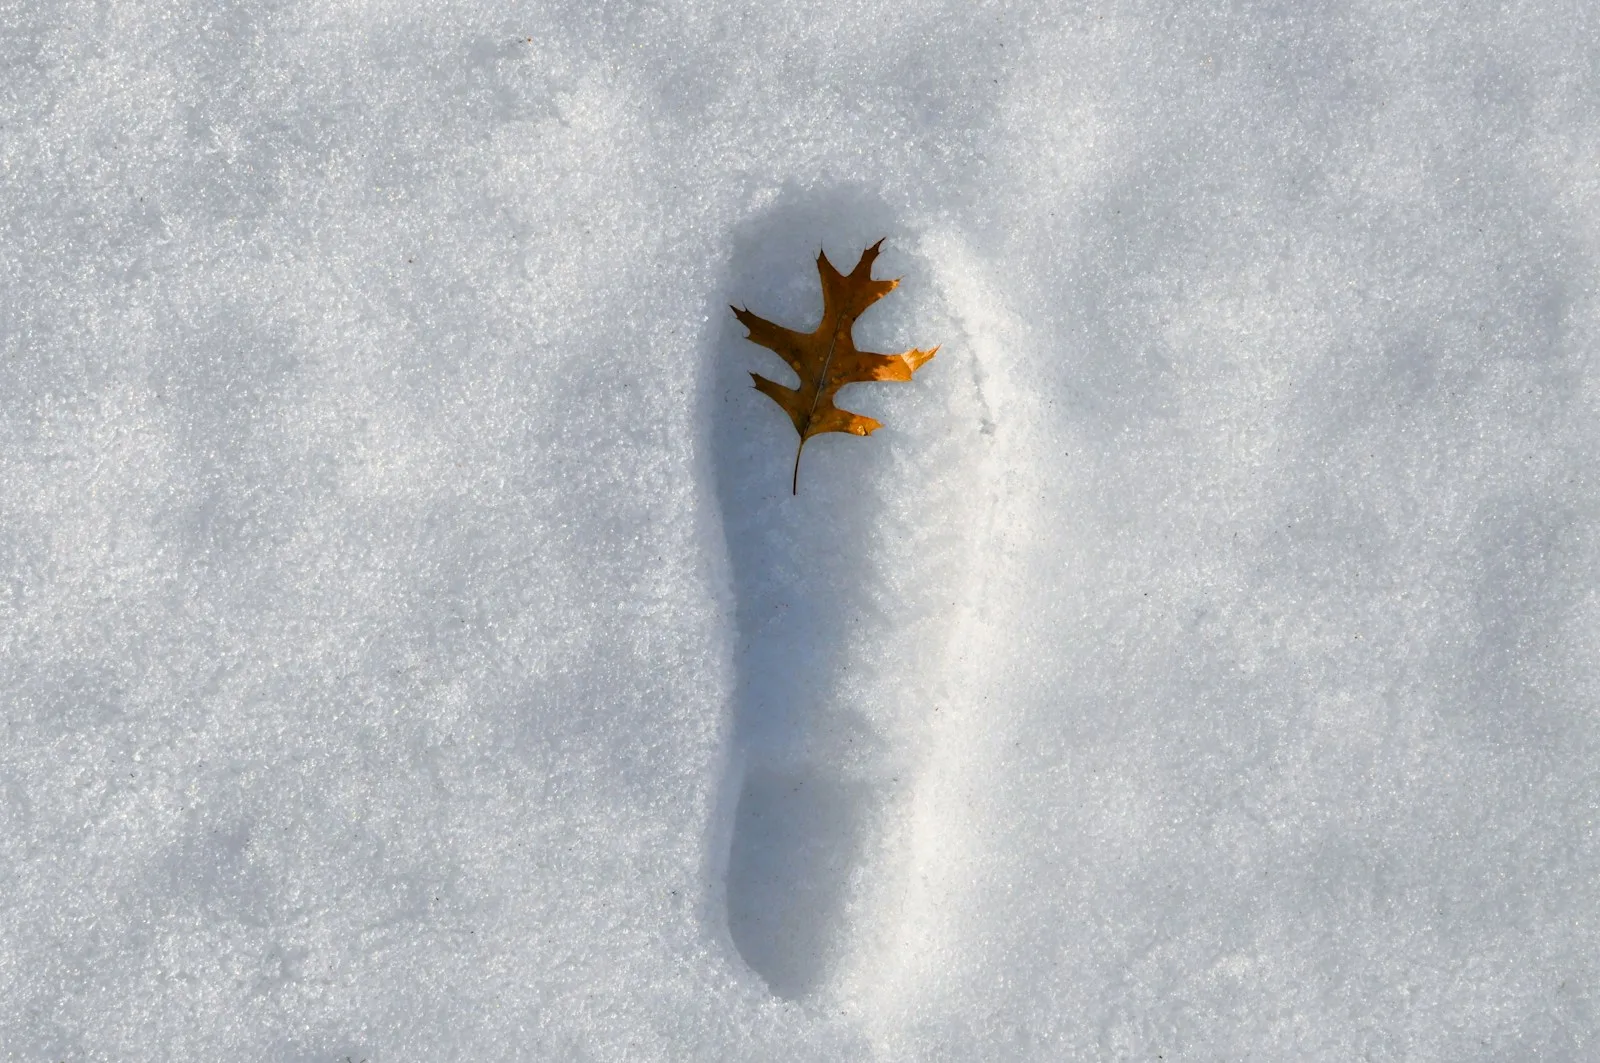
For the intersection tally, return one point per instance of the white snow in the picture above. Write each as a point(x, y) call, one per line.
point(410, 648)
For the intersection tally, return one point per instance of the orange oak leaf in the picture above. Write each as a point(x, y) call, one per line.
point(826, 359)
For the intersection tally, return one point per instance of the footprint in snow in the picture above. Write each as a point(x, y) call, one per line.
point(848, 597)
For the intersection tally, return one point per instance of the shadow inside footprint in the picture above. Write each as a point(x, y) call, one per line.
point(796, 835)
point(805, 788)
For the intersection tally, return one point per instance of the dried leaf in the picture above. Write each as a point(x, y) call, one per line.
point(826, 359)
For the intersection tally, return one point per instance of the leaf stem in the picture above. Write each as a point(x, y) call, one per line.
point(816, 395)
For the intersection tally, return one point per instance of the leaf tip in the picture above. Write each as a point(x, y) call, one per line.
point(916, 359)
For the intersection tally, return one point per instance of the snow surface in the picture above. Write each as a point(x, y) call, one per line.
point(410, 649)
